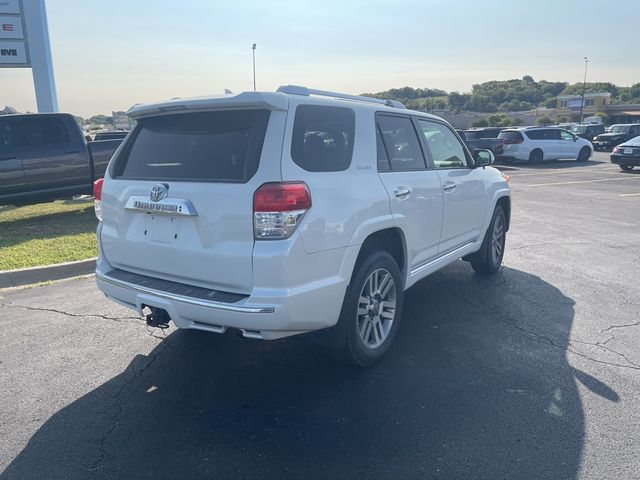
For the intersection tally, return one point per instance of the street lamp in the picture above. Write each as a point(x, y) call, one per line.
point(253, 49)
point(584, 86)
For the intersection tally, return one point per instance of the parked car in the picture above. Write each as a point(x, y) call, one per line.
point(483, 138)
point(588, 132)
point(618, 134)
point(535, 144)
point(290, 212)
point(627, 154)
point(46, 156)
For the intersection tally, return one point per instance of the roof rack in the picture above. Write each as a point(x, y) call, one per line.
point(299, 90)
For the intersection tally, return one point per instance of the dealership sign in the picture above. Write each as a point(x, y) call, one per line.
point(14, 51)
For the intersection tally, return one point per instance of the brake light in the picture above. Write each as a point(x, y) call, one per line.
point(278, 209)
point(514, 141)
point(97, 197)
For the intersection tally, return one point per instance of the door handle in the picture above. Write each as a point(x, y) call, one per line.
point(401, 192)
point(72, 151)
point(8, 157)
point(448, 186)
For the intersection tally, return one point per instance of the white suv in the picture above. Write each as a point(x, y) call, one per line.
point(535, 144)
point(291, 212)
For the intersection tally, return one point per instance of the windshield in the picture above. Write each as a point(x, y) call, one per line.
point(579, 129)
point(620, 129)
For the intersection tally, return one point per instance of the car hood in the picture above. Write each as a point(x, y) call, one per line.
point(606, 136)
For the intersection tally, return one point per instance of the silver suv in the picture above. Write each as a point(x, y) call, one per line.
point(291, 212)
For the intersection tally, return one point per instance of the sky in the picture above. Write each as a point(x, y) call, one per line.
point(109, 55)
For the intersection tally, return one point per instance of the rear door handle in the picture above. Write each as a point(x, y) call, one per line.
point(448, 186)
point(8, 157)
point(401, 192)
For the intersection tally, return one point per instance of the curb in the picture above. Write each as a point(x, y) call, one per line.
point(26, 276)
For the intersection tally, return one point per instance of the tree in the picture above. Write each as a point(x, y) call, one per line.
point(563, 119)
point(545, 120)
point(603, 116)
point(481, 122)
point(551, 102)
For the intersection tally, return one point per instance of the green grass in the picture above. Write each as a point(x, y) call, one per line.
point(47, 233)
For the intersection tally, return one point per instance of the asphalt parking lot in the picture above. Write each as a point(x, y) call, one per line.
point(530, 374)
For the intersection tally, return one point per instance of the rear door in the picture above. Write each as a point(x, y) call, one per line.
point(179, 203)
point(415, 191)
point(51, 153)
point(463, 188)
point(568, 147)
point(11, 174)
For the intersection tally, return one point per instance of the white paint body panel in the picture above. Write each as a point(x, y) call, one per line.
point(301, 280)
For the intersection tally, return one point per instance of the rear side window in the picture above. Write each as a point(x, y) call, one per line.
point(219, 146)
point(511, 137)
point(544, 134)
point(323, 138)
point(401, 143)
point(32, 132)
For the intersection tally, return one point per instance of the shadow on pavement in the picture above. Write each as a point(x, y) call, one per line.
point(476, 386)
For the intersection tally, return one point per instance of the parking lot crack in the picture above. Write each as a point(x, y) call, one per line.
point(69, 314)
point(118, 400)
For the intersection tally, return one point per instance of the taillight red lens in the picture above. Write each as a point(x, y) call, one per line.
point(282, 197)
point(97, 189)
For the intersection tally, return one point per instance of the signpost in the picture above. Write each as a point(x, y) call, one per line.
point(24, 43)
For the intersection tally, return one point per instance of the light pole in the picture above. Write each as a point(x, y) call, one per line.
point(253, 49)
point(584, 86)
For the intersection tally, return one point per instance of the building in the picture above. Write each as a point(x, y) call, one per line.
point(569, 105)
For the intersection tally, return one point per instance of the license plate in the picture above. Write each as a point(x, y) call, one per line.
point(628, 151)
point(161, 229)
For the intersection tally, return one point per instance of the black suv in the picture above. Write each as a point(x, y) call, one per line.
point(618, 134)
point(588, 132)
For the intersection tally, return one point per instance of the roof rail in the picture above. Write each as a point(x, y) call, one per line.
point(299, 90)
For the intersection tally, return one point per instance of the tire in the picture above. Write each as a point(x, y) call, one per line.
point(536, 156)
point(489, 258)
point(370, 322)
point(626, 168)
point(583, 156)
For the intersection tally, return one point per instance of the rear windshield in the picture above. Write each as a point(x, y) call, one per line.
point(478, 134)
point(222, 146)
point(578, 129)
point(510, 136)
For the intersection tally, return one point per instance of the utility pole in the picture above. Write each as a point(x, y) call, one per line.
point(253, 49)
point(584, 86)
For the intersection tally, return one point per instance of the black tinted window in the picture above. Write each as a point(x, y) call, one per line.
point(383, 161)
point(510, 136)
point(39, 131)
point(223, 146)
point(401, 143)
point(543, 134)
point(323, 138)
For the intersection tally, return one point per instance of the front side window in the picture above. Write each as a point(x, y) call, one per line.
point(323, 138)
point(446, 150)
point(566, 135)
point(401, 143)
point(32, 132)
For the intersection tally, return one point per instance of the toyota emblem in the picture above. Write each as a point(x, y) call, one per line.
point(158, 192)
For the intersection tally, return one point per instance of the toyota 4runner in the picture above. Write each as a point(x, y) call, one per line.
point(292, 212)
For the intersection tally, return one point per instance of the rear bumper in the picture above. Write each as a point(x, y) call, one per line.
point(633, 160)
point(267, 314)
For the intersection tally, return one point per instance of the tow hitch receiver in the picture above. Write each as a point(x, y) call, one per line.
point(158, 318)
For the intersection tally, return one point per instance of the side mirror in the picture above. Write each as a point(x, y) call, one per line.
point(484, 158)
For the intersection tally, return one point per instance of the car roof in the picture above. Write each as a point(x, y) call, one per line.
point(280, 100)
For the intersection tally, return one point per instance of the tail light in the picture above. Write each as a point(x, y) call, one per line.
point(514, 141)
point(97, 196)
point(278, 209)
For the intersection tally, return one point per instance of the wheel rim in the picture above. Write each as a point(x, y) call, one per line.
point(497, 240)
point(376, 308)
